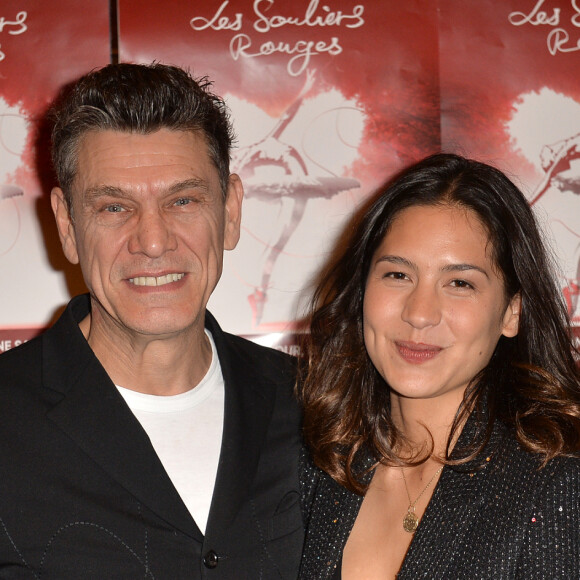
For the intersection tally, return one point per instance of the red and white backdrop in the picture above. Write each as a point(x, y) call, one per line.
point(510, 95)
point(43, 46)
point(329, 99)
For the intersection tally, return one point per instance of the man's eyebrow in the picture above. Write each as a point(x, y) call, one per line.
point(193, 183)
point(97, 191)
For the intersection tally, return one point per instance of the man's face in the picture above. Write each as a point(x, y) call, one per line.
point(149, 228)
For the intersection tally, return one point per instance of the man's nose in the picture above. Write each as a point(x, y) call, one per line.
point(153, 235)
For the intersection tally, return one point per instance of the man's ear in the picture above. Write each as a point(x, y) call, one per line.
point(64, 224)
point(235, 195)
point(511, 317)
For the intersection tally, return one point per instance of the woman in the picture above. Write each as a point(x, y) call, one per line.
point(441, 394)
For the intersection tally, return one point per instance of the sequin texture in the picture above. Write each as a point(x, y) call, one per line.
point(510, 520)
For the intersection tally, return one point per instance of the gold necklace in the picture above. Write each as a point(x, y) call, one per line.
point(411, 521)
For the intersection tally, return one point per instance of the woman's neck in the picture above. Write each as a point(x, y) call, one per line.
point(425, 423)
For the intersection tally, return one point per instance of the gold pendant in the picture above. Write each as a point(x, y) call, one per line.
point(410, 521)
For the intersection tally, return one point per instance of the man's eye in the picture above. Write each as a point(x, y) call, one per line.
point(114, 208)
point(183, 201)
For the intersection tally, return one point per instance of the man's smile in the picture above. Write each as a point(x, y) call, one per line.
point(156, 280)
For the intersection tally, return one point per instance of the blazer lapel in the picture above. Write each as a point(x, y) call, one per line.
point(93, 414)
point(458, 500)
point(448, 517)
point(339, 509)
point(249, 401)
point(332, 519)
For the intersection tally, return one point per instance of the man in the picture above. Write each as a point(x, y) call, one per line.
point(138, 440)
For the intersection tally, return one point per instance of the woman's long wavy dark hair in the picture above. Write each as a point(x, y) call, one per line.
point(531, 382)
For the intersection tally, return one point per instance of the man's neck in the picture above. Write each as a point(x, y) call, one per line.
point(156, 365)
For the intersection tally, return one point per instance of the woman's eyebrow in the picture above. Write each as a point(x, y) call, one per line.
point(464, 268)
point(399, 260)
point(460, 267)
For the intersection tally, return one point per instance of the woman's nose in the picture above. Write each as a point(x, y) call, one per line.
point(422, 307)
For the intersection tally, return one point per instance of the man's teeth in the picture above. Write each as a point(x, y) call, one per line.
point(156, 281)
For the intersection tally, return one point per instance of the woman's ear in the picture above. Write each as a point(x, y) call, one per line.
point(511, 317)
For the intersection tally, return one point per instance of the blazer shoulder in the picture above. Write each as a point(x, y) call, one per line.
point(511, 465)
point(552, 526)
point(520, 484)
point(515, 459)
point(21, 362)
point(562, 478)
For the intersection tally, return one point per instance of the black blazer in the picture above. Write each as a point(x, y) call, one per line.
point(508, 520)
point(83, 494)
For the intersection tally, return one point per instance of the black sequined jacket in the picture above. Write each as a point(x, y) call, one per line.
point(508, 520)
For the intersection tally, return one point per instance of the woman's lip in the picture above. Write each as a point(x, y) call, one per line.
point(417, 352)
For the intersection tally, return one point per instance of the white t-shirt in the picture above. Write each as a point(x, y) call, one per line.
point(186, 433)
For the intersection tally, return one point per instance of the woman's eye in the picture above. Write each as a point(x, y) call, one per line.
point(396, 275)
point(461, 284)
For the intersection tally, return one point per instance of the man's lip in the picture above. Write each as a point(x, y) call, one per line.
point(417, 352)
point(155, 280)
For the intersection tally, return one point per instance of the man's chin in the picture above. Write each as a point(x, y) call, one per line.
point(154, 322)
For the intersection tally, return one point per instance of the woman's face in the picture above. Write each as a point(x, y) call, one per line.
point(434, 306)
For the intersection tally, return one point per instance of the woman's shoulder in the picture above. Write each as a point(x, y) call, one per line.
point(513, 453)
point(525, 471)
point(552, 522)
point(512, 478)
point(562, 476)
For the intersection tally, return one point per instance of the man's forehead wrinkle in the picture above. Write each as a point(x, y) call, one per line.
point(146, 159)
point(121, 191)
